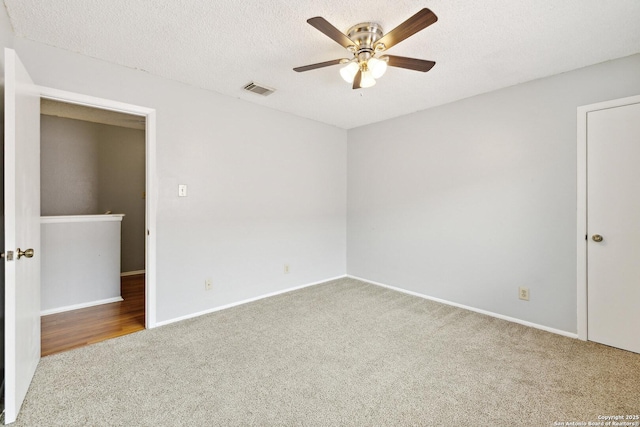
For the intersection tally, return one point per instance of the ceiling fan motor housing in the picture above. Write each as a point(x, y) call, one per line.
point(365, 36)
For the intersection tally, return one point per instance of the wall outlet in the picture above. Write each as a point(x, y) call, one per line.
point(523, 293)
point(286, 269)
point(208, 284)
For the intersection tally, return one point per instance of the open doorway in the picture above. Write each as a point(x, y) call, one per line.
point(22, 221)
point(93, 208)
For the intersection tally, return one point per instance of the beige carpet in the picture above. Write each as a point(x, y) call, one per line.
point(340, 353)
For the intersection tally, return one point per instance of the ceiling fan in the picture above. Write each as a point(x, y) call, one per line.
point(366, 43)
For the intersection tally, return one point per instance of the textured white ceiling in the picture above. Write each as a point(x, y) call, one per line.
point(221, 45)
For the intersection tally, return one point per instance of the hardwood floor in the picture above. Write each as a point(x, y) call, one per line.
point(77, 328)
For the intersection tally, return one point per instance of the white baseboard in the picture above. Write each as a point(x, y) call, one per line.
point(466, 307)
point(78, 306)
point(234, 304)
point(132, 273)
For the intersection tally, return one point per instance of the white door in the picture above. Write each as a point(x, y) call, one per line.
point(613, 226)
point(22, 232)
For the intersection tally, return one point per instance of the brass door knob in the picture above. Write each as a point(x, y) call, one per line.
point(597, 238)
point(28, 253)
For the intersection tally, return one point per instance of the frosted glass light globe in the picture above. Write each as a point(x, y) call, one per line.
point(367, 79)
point(349, 72)
point(377, 66)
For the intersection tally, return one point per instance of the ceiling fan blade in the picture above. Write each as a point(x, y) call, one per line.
point(330, 31)
point(357, 79)
point(318, 65)
point(410, 63)
point(417, 22)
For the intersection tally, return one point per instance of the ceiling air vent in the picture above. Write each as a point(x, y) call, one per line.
point(259, 89)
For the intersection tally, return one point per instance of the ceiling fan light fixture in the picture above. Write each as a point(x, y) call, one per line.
point(366, 40)
point(378, 67)
point(367, 79)
point(349, 72)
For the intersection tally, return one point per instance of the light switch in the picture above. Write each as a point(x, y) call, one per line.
point(182, 190)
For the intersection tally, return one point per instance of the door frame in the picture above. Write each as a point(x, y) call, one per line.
point(151, 197)
point(581, 230)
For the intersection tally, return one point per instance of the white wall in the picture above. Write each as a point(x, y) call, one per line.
point(464, 202)
point(121, 188)
point(6, 32)
point(80, 262)
point(90, 168)
point(470, 200)
point(265, 188)
point(68, 166)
